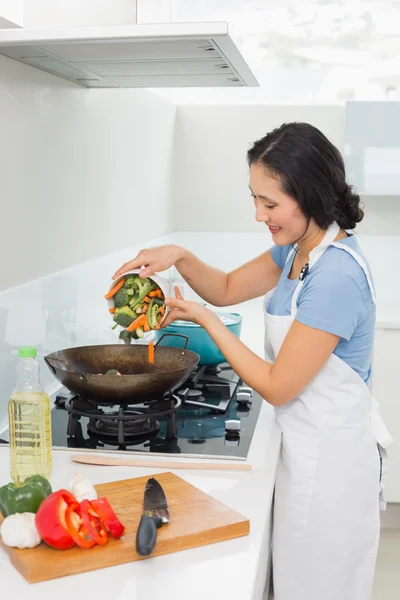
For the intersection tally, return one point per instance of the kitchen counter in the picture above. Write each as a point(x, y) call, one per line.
point(236, 569)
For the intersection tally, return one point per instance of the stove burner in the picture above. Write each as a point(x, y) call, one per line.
point(121, 426)
point(137, 426)
point(189, 393)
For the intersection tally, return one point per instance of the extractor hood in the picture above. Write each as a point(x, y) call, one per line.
point(144, 55)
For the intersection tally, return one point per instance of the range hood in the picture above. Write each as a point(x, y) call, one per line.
point(144, 55)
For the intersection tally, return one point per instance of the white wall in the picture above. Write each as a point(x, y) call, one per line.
point(83, 172)
point(211, 173)
point(62, 13)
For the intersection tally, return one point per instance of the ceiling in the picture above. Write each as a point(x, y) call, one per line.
point(304, 50)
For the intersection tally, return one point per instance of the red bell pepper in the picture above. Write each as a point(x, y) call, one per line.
point(107, 515)
point(93, 524)
point(51, 522)
point(77, 528)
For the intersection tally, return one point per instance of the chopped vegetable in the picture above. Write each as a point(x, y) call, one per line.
point(94, 525)
point(24, 498)
point(115, 289)
point(153, 314)
point(121, 298)
point(107, 515)
point(137, 323)
point(125, 335)
point(51, 519)
point(19, 531)
point(77, 528)
point(137, 333)
point(82, 488)
point(151, 352)
point(112, 310)
point(124, 316)
point(133, 300)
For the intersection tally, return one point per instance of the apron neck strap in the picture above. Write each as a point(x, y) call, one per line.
point(315, 254)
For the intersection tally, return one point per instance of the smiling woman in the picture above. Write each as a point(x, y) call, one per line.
point(319, 315)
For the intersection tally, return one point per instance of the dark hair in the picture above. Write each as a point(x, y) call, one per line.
point(311, 171)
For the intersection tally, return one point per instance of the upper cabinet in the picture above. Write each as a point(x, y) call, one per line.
point(372, 147)
point(11, 13)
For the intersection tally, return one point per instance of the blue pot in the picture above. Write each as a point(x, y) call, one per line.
point(199, 340)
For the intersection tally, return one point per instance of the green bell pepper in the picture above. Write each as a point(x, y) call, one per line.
point(24, 498)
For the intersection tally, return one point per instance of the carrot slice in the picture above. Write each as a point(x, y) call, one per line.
point(137, 323)
point(151, 352)
point(115, 289)
point(112, 310)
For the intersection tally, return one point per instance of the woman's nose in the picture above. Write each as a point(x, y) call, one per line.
point(261, 215)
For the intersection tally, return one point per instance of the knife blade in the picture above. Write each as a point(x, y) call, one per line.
point(155, 513)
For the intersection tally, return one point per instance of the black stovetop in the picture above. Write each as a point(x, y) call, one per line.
point(201, 419)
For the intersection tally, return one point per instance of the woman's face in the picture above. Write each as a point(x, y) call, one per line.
point(279, 212)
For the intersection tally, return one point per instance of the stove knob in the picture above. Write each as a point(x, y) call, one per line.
point(233, 426)
point(243, 399)
point(232, 442)
point(246, 390)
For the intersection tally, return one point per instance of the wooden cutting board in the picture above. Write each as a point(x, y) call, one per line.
point(196, 519)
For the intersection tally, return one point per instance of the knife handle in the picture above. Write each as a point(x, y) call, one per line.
point(146, 536)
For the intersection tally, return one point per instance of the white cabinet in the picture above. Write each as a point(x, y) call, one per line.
point(372, 147)
point(386, 389)
point(11, 13)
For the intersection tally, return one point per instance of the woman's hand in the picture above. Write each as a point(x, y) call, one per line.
point(187, 311)
point(154, 260)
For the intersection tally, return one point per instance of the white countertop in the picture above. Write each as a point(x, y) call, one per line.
point(234, 569)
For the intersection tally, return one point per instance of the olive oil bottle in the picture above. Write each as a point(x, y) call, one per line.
point(29, 422)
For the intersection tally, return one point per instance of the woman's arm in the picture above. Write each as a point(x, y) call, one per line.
point(304, 352)
point(251, 280)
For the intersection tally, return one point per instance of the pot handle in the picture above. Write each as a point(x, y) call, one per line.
point(66, 365)
point(185, 337)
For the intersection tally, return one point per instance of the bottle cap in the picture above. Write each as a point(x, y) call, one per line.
point(27, 352)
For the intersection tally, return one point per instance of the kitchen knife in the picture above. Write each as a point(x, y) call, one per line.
point(155, 513)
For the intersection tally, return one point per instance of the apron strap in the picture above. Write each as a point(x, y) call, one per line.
point(315, 254)
point(362, 264)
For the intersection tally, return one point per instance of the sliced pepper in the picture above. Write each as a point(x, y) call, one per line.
point(77, 528)
point(24, 498)
point(105, 512)
point(51, 521)
point(94, 526)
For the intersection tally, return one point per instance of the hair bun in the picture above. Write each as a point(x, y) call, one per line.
point(350, 213)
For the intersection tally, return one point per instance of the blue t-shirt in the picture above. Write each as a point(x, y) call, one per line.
point(336, 298)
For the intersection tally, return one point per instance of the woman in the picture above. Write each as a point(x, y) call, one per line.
point(319, 317)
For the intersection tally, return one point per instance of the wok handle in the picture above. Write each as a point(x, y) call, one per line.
point(185, 337)
point(66, 365)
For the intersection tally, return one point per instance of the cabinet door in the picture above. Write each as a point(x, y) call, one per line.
point(385, 388)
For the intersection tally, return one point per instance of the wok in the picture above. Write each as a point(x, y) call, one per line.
point(78, 370)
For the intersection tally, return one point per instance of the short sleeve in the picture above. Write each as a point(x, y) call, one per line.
point(332, 301)
point(279, 254)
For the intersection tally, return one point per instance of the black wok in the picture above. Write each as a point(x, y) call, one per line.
point(78, 369)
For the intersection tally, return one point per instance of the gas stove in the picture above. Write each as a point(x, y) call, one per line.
point(213, 414)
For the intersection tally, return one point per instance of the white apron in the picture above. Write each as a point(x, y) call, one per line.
point(330, 476)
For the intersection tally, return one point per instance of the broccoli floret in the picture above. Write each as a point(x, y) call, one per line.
point(124, 316)
point(143, 285)
point(121, 298)
point(130, 281)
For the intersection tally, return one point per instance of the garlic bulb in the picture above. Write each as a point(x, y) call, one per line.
point(82, 488)
point(19, 531)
